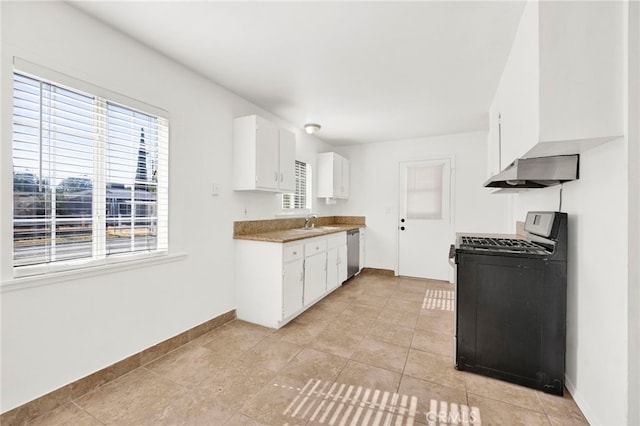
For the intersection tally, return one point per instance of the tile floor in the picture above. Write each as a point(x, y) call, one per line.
point(377, 351)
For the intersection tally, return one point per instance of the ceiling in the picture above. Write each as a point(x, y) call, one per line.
point(366, 71)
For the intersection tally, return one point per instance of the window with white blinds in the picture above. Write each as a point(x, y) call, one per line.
point(301, 199)
point(89, 177)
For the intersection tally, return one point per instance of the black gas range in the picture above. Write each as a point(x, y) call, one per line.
point(547, 237)
point(511, 303)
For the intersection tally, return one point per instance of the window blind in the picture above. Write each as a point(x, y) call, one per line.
point(90, 176)
point(424, 192)
point(301, 198)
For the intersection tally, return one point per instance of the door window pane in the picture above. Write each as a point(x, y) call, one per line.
point(424, 192)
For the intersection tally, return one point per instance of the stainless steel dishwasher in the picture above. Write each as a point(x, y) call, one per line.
point(353, 252)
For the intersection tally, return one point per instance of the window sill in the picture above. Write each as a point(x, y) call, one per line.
point(29, 281)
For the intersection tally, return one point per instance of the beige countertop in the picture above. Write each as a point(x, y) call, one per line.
point(287, 235)
point(283, 230)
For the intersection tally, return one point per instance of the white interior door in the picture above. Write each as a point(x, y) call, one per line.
point(424, 228)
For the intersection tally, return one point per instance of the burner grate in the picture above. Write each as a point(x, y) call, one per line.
point(509, 244)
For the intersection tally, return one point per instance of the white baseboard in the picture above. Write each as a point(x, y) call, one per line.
point(582, 403)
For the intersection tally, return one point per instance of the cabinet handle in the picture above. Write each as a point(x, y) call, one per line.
point(281, 177)
point(295, 253)
point(276, 176)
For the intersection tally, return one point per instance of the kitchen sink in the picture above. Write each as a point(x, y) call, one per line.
point(317, 228)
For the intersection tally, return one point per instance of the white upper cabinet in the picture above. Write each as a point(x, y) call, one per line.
point(263, 156)
point(333, 176)
point(562, 86)
point(345, 178)
point(287, 161)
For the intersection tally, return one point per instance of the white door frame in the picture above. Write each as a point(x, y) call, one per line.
point(452, 206)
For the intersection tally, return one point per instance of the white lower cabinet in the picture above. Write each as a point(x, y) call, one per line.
point(332, 268)
point(276, 282)
point(315, 269)
point(342, 264)
point(336, 260)
point(363, 240)
point(292, 287)
point(315, 278)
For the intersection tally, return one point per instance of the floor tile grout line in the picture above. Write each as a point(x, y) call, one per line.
point(88, 413)
point(406, 360)
point(509, 403)
point(103, 385)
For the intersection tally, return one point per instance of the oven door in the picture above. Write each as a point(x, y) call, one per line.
point(510, 317)
point(452, 262)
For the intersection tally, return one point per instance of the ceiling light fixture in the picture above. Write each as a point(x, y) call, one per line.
point(311, 128)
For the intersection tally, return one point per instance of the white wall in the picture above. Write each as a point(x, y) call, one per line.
point(375, 170)
point(603, 306)
point(597, 279)
point(55, 332)
point(603, 349)
point(632, 124)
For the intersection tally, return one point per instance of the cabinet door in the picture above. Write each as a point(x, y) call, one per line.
point(332, 269)
point(267, 154)
point(292, 287)
point(337, 175)
point(517, 95)
point(346, 178)
point(324, 174)
point(315, 277)
point(494, 140)
point(342, 264)
point(287, 161)
point(362, 247)
point(333, 176)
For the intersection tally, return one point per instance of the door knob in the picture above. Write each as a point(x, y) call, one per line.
point(402, 228)
point(402, 220)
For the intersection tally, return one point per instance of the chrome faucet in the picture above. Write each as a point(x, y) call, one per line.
point(308, 220)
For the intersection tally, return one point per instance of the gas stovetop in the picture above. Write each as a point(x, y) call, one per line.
point(508, 245)
point(546, 238)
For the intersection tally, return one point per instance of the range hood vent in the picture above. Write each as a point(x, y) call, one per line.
point(539, 172)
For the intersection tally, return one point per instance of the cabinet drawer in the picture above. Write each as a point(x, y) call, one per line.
point(293, 252)
point(316, 245)
point(337, 240)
